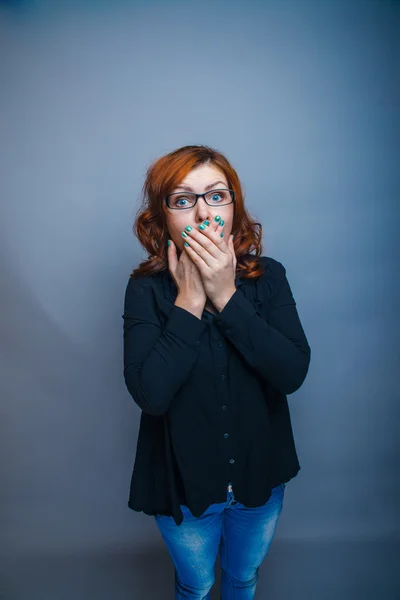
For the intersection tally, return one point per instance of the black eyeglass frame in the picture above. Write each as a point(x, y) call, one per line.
point(232, 193)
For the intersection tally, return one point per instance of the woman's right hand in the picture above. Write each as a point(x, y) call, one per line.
point(187, 279)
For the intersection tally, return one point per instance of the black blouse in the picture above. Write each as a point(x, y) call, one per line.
point(212, 392)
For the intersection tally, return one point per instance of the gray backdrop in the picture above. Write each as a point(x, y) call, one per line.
point(302, 98)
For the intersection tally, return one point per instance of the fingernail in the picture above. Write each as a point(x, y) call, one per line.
point(206, 222)
point(186, 244)
point(221, 222)
point(184, 234)
point(169, 242)
point(233, 236)
point(222, 234)
point(188, 228)
point(202, 227)
point(217, 218)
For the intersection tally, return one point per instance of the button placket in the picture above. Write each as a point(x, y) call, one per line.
point(221, 364)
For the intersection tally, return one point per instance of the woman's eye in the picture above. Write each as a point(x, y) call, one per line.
point(213, 196)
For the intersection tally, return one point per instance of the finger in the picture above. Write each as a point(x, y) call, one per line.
point(210, 263)
point(220, 227)
point(202, 243)
point(215, 221)
point(193, 246)
point(212, 241)
point(194, 255)
point(172, 257)
point(232, 251)
point(232, 247)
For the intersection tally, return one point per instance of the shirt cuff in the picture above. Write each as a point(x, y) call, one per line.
point(185, 326)
point(229, 316)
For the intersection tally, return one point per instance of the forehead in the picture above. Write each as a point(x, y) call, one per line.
point(203, 175)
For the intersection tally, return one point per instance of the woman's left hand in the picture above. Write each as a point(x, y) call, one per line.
point(216, 261)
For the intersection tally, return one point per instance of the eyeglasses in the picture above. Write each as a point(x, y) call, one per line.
point(184, 200)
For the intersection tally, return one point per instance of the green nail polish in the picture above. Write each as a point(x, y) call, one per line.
point(222, 234)
point(169, 242)
point(206, 222)
point(184, 234)
point(186, 244)
point(202, 227)
point(221, 222)
point(217, 218)
point(188, 228)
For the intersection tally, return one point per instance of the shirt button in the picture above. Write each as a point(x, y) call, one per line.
point(223, 377)
point(197, 342)
point(226, 435)
point(224, 407)
point(220, 344)
point(232, 461)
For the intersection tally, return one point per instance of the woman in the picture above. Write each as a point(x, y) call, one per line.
point(212, 346)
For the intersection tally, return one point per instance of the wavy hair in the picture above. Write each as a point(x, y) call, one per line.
point(164, 175)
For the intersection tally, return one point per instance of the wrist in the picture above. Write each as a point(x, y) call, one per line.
point(194, 301)
point(223, 300)
point(190, 304)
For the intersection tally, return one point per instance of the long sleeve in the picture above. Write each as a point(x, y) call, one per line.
point(157, 361)
point(278, 350)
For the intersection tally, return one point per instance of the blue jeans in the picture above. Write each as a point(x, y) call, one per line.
point(243, 536)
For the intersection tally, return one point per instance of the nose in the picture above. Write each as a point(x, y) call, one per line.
point(203, 211)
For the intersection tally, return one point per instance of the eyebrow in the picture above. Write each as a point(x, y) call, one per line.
point(208, 187)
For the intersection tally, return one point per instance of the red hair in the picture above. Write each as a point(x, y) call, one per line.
point(164, 175)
